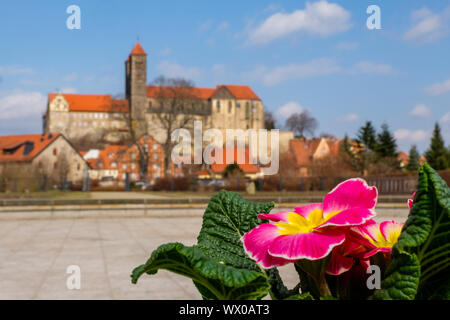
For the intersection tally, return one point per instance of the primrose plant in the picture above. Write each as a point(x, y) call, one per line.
point(331, 245)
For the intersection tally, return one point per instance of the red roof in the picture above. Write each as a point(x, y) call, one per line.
point(202, 173)
point(246, 167)
point(93, 103)
point(106, 157)
point(304, 149)
point(138, 50)
point(24, 148)
point(240, 92)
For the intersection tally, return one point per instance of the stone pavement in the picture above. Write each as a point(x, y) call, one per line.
point(34, 256)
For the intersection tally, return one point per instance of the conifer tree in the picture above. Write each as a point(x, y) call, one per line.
point(367, 136)
point(437, 153)
point(414, 159)
point(386, 147)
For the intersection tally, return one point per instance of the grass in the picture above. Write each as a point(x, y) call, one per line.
point(52, 194)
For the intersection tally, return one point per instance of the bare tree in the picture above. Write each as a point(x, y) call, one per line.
point(63, 169)
point(174, 107)
point(269, 120)
point(301, 123)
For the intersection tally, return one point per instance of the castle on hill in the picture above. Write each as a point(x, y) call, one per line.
point(103, 118)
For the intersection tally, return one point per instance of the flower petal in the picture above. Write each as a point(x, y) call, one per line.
point(312, 246)
point(391, 230)
point(256, 243)
point(352, 193)
point(276, 217)
point(411, 201)
point(373, 252)
point(306, 210)
point(349, 217)
point(338, 263)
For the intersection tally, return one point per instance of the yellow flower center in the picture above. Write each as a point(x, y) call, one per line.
point(381, 242)
point(299, 224)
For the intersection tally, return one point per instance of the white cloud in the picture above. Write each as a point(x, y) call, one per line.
point(22, 104)
point(313, 68)
point(371, 67)
point(351, 117)
point(223, 26)
point(421, 110)
point(445, 119)
point(318, 18)
point(15, 70)
point(70, 77)
point(427, 25)
point(412, 136)
point(165, 52)
point(347, 46)
point(439, 88)
point(288, 109)
point(68, 90)
point(206, 25)
point(174, 70)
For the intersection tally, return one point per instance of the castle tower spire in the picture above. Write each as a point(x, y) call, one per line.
point(136, 82)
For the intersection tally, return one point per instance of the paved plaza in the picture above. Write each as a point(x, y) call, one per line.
point(35, 253)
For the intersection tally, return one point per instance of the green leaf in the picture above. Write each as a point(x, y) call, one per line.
point(216, 280)
point(420, 265)
point(226, 219)
point(277, 288)
point(302, 296)
point(218, 265)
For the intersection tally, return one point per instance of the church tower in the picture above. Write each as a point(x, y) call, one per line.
point(136, 83)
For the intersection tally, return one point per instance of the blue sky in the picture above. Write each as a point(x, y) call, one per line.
point(296, 55)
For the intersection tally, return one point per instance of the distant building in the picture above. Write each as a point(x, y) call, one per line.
point(38, 155)
point(103, 118)
point(114, 161)
point(306, 151)
point(242, 158)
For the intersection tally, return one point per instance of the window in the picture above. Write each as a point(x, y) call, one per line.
point(218, 105)
point(113, 164)
point(55, 151)
point(155, 146)
point(124, 166)
point(133, 166)
point(155, 156)
point(230, 106)
point(247, 111)
point(96, 115)
point(78, 167)
point(55, 165)
point(133, 156)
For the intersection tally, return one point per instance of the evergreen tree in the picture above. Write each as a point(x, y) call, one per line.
point(345, 147)
point(437, 153)
point(367, 136)
point(414, 159)
point(386, 147)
